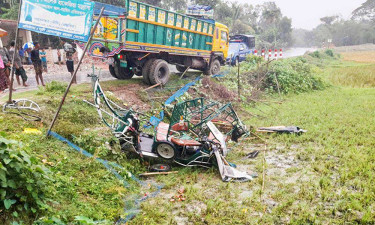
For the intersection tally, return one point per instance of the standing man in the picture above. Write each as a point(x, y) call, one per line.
point(21, 52)
point(17, 65)
point(59, 57)
point(43, 55)
point(69, 50)
point(37, 62)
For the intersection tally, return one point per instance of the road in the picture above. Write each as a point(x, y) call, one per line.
point(293, 52)
point(59, 73)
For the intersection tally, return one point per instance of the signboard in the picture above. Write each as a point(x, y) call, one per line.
point(68, 19)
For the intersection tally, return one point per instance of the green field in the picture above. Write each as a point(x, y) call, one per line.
point(325, 176)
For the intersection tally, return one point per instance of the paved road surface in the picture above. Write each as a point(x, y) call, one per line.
point(60, 74)
point(293, 52)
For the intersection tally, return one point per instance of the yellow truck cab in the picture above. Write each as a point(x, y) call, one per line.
point(221, 39)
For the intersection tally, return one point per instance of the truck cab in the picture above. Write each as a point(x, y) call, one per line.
point(240, 46)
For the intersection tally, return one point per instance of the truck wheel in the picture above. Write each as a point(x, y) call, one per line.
point(112, 71)
point(124, 73)
point(214, 69)
point(159, 72)
point(120, 72)
point(181, 69)
point(146, 71)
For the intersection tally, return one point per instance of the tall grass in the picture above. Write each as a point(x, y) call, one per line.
point(362, 76)
point(362, 56)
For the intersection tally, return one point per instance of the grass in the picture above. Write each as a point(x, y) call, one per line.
point(361, 75)
point(325, 176)
point(360, 56)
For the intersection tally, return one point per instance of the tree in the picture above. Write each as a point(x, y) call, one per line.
point(366, 12)
point(177, 5)
point(328, 20)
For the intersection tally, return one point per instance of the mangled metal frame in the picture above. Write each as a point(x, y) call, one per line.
point(210, 142)
point(23, 108)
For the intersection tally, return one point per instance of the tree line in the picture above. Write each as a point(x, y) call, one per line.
point(359, 29)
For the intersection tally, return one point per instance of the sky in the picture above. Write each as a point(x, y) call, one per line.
point(307, 13)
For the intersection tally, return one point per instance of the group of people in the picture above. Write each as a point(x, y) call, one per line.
point(38, 58)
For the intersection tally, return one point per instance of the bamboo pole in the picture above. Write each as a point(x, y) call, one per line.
point(14, 55)
point(75, 72)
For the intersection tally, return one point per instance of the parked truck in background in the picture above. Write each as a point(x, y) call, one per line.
point(142, 40)
point(240, 46)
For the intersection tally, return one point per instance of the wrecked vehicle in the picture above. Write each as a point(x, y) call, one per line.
point(191, 138)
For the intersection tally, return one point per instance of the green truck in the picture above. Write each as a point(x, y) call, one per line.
point(142, 40)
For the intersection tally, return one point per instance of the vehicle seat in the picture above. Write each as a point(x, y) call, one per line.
point(177, 127)
point(185, 142)
point(162, 131)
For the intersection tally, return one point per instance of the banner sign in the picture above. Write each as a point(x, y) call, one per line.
point(70, 19)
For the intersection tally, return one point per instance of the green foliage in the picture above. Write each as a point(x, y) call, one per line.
point(54, 87)
point(254, 60)
point(100, 143)
point(293, 76)
point(329, 52)
point(315, 54)
point(11, 13)
point(23, 180)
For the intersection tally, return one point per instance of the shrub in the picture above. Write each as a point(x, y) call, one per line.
point(22, 180)
point(252, 59)
point(329, 52)
point(315, 54)
point(293, 76)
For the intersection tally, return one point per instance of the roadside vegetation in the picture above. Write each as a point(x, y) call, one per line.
point(323, 176)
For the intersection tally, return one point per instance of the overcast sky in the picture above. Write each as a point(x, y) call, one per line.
point(306, 13)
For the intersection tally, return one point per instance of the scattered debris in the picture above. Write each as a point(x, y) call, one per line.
point(160, 168)
point(252, 155)
point(157, 173)
point(180, 197)
point(282, 129)
point(32, 131)
point(22, 108)
point(153, 86)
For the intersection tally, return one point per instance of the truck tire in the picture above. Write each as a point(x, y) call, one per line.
point(146, 71)
point(123, 73)
point(181, 69)
point(159, 72)
point(112, 71)
point(214, 68)
point(120, 72)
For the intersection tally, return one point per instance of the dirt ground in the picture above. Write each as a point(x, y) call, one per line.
point(131, 95)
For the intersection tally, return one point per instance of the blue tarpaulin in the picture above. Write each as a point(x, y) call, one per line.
point(199, 7)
